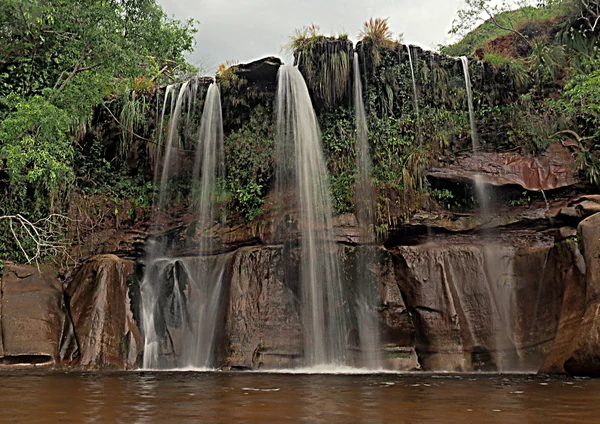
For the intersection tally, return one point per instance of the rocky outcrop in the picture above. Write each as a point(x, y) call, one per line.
point(553, 169)
point(31, 316)
point(570, 267)
point(585, 359)
point(262, 70)
point(100, 332)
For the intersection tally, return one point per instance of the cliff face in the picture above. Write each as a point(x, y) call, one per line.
point(512, 289)
point(464, 304)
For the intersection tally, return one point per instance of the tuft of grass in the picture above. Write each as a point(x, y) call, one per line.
point(377, 32)
point(133, 115)
point(303, 38)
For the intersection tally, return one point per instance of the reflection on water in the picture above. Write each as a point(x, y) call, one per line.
point(271, 398)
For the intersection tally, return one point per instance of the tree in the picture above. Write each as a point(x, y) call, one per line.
point(59, 62)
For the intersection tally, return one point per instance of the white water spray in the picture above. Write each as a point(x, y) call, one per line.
point(301, 170)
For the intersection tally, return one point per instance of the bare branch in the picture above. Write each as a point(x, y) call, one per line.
point(46, 235)
point(574, 134)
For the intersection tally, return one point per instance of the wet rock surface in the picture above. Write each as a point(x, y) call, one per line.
point(101, 331)
point(263, 319)
point(585, 359)
point(31, 316)
point(552, 170)
point(472, 305)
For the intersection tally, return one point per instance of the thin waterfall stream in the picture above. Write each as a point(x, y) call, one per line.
point(474, 136)
point(415, 93)
point(366, 282)
point(155, 249)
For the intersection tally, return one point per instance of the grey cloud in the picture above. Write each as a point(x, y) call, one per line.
point(244, 30)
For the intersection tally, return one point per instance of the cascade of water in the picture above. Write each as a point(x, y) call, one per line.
point(169, 93)
point(195, 301)
point(169, 168)
point(209, 278)
point(366, 284)
point(155, 249)
point(301, 170)
point(498, 262)
point(474, 136)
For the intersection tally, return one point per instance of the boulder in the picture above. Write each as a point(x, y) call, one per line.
point(585, 359)
point(31, 315)
point(101, 332)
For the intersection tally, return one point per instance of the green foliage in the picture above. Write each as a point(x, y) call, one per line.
point(303, 38)
point(65, 61)
point(35, 148)
point(249, 165)
point(497, 60)
point(339, 146)
point(588, 164)
point(442, 196)
point(545, 62)
point(518, 72)
point(531, 121)
point(524, 199)
point(52, 42)
point(134, 109)
point(499, 19)
point(582, 100)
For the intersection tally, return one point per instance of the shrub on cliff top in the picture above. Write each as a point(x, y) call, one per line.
point(324, 62)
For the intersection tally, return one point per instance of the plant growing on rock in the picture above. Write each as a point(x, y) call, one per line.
point(324, 62)
point(376, 35)
point(249, 165)
point(376, 31)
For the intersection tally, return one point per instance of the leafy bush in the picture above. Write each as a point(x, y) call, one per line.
point(249, 165)
point(36, 149)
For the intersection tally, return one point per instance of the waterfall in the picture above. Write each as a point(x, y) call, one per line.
point(209, 277)
point(498, 267)
point(301, 170)
point(415, 93)
point(155, 249)
point(366, 282)
point(178, 295)
point(474, 137)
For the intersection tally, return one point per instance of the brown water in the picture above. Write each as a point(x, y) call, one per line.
point(273, 398)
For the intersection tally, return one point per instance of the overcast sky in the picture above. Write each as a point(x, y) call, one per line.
point(244, 30)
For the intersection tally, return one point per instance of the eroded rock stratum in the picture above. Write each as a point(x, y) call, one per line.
point(464, 305)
